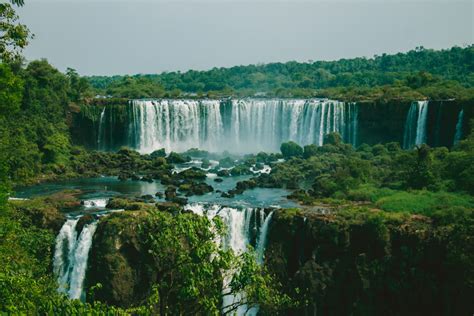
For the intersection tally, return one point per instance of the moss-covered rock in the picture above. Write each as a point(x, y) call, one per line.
point(83, 221)
point(118, 261)
point(41, 214)
point(127, 204)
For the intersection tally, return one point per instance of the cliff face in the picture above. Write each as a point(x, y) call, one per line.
point(119, 262)
point(371, 265)
point(96, 125)
point(108, 126)
point(381, 122)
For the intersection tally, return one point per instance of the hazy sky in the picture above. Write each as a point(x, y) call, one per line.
point(127, 37)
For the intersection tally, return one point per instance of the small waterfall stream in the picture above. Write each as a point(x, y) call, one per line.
point(458, 134)
point(415, 124)
point(70, 257)
point(246, 226)
point(100, 134)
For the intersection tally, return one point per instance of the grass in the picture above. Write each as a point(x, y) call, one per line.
point(423, 202)
point(415, 202)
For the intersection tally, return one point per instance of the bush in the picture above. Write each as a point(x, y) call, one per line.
point(291, 149)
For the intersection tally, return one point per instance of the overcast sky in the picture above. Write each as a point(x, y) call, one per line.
point(127, 37)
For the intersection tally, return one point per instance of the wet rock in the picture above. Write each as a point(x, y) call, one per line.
point(227, 195)
point(169, 207)
point(245, 185)
point(83, 221)
point(205, 164)
point(147, 179)
point(223, 173)
point(192, 173)
point(160, 153)
point(175, 158)
point(218, 180)
point(179, 200)
point(226, 162)
point(123, 176)
point(195, 188)
point(159, 195)
point(170, 193)
point(147, 197)
point(125, 204)
point(240, 170)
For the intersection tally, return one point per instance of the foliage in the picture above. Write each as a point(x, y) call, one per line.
point(34, 106)
point(191, 267)
point(419, 73)
point(13, 35)
point(291, 149)
point(369, 173)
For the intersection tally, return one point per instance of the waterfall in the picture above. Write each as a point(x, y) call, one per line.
point(262, 239)
point(458, 134)
point(241, 225)
point(100, 134)
point(95, 203)
point(239, 126)
point(70, 257)
point(81, 255)
point(415, 124)
point(64, 253)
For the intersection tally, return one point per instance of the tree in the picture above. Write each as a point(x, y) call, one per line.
point(310, 150)
point(11, 87)
point(332, 139)
point(78, 86)
point(291, 149)
point(191, 267)
point(13, 35)
point(421, 174)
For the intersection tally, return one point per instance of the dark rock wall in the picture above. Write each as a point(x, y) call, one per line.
point(357, 267)
point(381, 122)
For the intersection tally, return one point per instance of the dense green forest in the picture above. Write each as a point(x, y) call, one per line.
point(378, 189)
point(436, 74)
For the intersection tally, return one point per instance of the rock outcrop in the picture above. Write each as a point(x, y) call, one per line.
point(118, 261)
point(363, 263)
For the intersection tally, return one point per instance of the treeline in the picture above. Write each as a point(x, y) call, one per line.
point(420, 72)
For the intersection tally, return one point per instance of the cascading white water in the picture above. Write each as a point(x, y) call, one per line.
point(64, 253)
point(100, 134)
point(81, 255)
point(458, 134)
point(239, 235)
point(415, 124)
point(262, 238)
point(421, 122)
point(246, 125)
point(70, 257)
point(95, 203)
